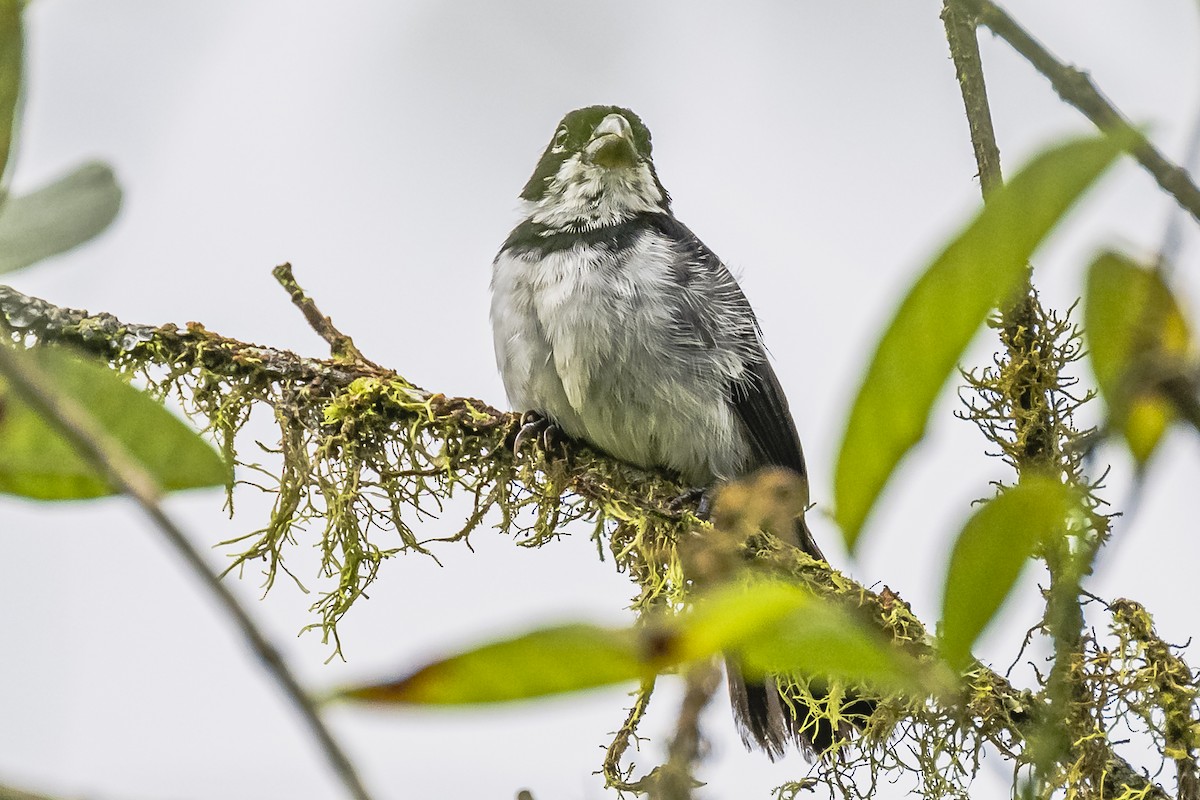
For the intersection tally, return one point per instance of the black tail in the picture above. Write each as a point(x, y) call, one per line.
point(768, 722)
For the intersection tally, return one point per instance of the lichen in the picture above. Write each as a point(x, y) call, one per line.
point(364, 457)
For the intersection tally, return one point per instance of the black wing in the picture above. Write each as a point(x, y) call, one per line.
point(761, 405)
point(719, 315)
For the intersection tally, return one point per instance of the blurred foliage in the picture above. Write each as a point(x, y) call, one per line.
point(989, 555)
point(918, 352)
point(12, 47)
point(58, 217)
point(772, 627)
point(36, 461)
point(1142, 348)
point(547, 661)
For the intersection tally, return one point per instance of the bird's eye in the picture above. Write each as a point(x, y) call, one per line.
point(560, 139)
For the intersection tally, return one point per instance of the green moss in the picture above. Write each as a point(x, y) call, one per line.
point(363, 459)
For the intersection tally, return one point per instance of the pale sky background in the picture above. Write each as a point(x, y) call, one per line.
point(819, 148)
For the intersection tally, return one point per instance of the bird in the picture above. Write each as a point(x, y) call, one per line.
point(614, 324)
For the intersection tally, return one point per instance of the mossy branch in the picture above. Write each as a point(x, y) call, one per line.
point(1025, 405)
point(364, 453)
point(124, 473)
point(362, 449)
point(616, 774)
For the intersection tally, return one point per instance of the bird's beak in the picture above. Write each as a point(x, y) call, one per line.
point(611, 144)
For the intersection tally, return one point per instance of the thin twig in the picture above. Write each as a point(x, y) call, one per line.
point(964, 49)
point(1076, 88)
point(1063, 619)
point(614, 777)
point(675, 780)
point(110, 458)
point(340, 345)
point(1172, 243)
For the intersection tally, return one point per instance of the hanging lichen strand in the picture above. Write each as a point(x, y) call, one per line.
point(1025, 406)
point(364, 456)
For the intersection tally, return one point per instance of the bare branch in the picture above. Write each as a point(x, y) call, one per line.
point(964, 50)
point(1076, 88)
point(675, 778)
point(341, 346)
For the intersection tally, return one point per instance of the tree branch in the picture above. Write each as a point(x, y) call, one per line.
point(964, 50)
point(1028, 396)
point(1077, 89)
point(196, 347)
point(674, 780)
point(616, 777)
point(124, 473)
point(648, 525)
point(341, 346)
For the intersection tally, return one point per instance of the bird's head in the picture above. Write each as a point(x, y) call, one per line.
point(595, 172)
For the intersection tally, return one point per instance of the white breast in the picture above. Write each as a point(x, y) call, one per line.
point(584, 336)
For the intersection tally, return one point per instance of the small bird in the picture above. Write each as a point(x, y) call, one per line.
point(616, 325)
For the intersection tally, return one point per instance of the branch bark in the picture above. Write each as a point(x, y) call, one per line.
point(964, 49)
point(1003, 712)
point(674, 780)
point(1032, 419)
point(341, 346)
point(1076, 88)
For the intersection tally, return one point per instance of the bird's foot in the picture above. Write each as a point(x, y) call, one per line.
point(699, 497)
point(536, 427)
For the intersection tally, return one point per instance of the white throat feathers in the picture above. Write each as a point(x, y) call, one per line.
point(585, 196)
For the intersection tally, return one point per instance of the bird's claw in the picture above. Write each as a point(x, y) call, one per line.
point(698, 496)
point(534, 426)
point(531, 425)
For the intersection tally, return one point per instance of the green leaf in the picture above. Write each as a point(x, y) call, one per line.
point(57, 217)
point(772, 627)
point(776, 627)
point(941, 313)
point(35, 461)
point(544, 662)
point(1136, 335)
point(11, 49)
point(990, 553)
